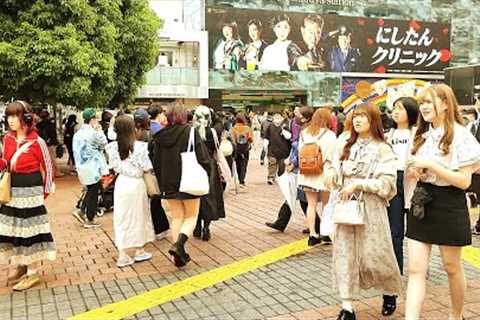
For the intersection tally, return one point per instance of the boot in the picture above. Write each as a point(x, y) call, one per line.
point(19, 272)
point(346, 315)
point(178, 250)
point(197, 232)
point(206, 231)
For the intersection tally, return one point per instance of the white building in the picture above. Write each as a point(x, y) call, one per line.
point(181, 72)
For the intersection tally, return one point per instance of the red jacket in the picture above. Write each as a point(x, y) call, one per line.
point(35, 159)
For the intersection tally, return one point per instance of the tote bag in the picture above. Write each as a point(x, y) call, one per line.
point(151, 182)
point(194, 178)
point(220, 157)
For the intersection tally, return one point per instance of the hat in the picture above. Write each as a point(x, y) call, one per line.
point(88, 114)
point(140, 115)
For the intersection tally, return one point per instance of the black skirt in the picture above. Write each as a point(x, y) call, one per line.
point(446, 221)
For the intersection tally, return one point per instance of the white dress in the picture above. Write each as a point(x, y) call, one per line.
point(132, 221)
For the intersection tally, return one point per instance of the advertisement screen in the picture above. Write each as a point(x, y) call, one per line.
point(290, 41)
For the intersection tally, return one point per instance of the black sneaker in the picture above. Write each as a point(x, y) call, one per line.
point(476, 231)
point(389, 305)
point(346, 315)
point(305, 231)
point(312, 241)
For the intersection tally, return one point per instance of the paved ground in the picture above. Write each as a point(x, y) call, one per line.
point(84, 276)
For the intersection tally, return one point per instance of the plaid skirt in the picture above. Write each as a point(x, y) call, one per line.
point(25, 235)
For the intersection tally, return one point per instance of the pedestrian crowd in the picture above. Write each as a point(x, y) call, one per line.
point(168, 169)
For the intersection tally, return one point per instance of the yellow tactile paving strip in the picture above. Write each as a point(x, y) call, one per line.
point(179, 289)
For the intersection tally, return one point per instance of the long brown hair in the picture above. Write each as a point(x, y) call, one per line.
point(452, 115)
point(348, 124)
point(320, 120)
point(125, 128)
point(376, 128)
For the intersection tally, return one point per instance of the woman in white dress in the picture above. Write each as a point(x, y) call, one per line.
point(282, 54)
point(132, 221)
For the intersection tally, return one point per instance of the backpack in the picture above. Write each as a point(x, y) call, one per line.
point(310, 158)
point(242, 142)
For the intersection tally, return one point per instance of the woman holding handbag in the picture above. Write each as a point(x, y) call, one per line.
point(211, 205)
point(363, 255)
point(132, 221)
point(168, 150)
point(25, 236)
point(443, 158)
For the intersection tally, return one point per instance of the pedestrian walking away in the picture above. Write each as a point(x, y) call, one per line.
point(168, 144)
point(132, 220)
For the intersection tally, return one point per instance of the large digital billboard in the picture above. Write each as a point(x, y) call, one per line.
point(290, 41)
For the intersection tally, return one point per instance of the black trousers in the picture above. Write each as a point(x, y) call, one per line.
point(90, 201)
point(284, 215)
point(396, 218)
point(241, 161)
point(159, 218)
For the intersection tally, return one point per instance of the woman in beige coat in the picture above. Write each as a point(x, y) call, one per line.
point(313, 185)
point(363, 255)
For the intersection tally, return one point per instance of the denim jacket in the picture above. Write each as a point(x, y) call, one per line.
point(88, 151)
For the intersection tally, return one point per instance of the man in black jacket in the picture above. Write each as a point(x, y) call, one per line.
point(48, 132)
point(278, 136)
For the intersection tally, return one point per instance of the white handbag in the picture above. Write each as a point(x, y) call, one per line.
point(352, 211)
point(226, 147)
point(194, 178)
point(220, 157)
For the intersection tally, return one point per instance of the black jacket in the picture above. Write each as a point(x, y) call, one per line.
point(165, 150)
point(47, 131)
point(278, 146)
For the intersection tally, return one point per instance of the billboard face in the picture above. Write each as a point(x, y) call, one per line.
point(280, 41)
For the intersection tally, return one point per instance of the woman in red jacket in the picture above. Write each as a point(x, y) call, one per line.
point(25, 236)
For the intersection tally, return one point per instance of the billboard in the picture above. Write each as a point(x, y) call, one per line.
point(291, 41)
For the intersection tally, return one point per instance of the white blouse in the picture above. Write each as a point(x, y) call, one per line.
point(464, 151)
point(135, 165)
point(275, 57)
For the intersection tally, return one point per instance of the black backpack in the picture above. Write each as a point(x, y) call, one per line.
point(242, 143)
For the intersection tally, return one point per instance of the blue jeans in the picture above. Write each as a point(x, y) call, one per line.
point(396, 218)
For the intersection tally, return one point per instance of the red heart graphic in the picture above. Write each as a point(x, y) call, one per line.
point(381, 22)
point(370, 41)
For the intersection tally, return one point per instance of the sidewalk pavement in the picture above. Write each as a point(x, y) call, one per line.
point(85, 277)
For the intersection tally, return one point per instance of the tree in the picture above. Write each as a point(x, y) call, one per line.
point(138, 49)
point(66, 51)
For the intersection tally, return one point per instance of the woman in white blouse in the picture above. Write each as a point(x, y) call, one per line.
point(404, 115)
point(132, 221)
point(443, 157)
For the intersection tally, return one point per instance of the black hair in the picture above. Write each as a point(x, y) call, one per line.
point(411, 106)
point(279, 18)
point(315, 18)
point(154, 111)
point(256, 22)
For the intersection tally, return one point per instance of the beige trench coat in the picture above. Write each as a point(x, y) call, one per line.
point(363, 256)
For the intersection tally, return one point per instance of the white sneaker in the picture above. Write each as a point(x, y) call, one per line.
point(79, 215)
point(163, 235)
point(144, 256)
point(125, 262)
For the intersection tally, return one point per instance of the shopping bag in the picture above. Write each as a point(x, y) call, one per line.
point(194, 179)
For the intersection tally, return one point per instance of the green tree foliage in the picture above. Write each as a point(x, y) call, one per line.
point(74, 51)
